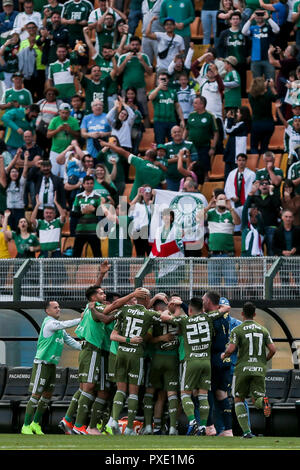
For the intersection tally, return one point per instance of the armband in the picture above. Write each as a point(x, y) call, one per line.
point(127, 340)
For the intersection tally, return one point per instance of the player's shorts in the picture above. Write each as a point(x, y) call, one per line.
point(221, 378)
point(196, 374)
point(111, 367)
point(43, 378)
point(129, 367)
point(164, 372)
point(248, 385)
point(91, 368)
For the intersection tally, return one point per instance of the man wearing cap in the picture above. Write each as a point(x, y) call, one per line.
point(17, 95)
point(60, 76)
point(23, 18)
point(7, 18)
point(62, 130)
point(169, 43)
point(16, 121)
point(232, 84)
point(183, 13)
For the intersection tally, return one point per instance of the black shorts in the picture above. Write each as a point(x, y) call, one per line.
point(221, 378)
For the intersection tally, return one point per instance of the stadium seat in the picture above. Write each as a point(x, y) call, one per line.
point(150, 81)
point(252, 161)
point(284, 163)
point(237, 245)
point(249, 78)
point(60, 405)
point(286, 415)
point(15, 391)
point(208, 186)
point(196, 29)
point(217, 168)
point(277, 139)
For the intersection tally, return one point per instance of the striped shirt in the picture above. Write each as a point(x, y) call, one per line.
point(49, 234)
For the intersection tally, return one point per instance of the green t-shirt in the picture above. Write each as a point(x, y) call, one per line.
point(13, 119)
point(235, 45)
point(221, 228)
point(87, 223)
point(119, 242)
point(63, 80)
point(233, 97)
point(201, 128)
point(173, 149)
point(182, 11)
point(134, 72)
point(78, 11)
point(251, 340)
point(23, 96)
point(164, 106)
point(23, 244)
point(101, 190)
point(49, 234)
point(61, 140)
point(105, 36)
point(145, 173)
point(50, 349)
point(91, 330)
point(294, 174)
point(106, 67)
point(106, 158)
point(262, 174)
point(95, 91)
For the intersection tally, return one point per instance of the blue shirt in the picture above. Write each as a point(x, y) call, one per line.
point(261, 37)
point(94, 123)
point(281, 13)
point(7, 22)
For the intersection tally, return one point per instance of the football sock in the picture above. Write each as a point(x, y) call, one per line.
point(242, 416)
point(30, 410)
point(173, 408)
point(259, 403)
point(96, 412)
point(188, 406)
point(41, 408)
point(203, 408)
point(225, 410)
point(85, 403)
point(133, 402)
point(118, 404)
point(148, 409)
point(72, 410)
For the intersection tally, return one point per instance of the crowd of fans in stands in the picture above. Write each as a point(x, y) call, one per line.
point(80, 80)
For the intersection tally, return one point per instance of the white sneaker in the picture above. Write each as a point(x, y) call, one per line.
point(129, 432)
point(226, 433)
point(211, 430)
point(148, 430)
point(93, 431)
point(173, 431)
point(114, 425)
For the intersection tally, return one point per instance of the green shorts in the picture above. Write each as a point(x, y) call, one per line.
point(43, 378)
point(91, 368)
point(111, 367)
point(196, 374)
point(164, 372)
point(129, 368)
point(248, 385)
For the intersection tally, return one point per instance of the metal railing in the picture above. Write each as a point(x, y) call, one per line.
point(66, 279)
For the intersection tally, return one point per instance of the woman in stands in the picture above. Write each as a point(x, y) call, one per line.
point(27, 243)
point(290, 200)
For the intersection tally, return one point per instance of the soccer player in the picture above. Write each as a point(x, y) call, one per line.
point(252, 340)
point(49, 350)
point(132, 325)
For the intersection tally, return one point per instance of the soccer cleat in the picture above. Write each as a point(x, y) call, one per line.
point(80, 431)
point(226, 433)
point(192, 429)
point(248, 435)
point(65, 426)
point(157, 432)
point(129, 432)
point(93, 431)
point(36, 428)
point(211, 430)
point(147, 430)
point(173, 431)
point(201, 431)
point(115, 427)
point(267, 407)
point(26, 430)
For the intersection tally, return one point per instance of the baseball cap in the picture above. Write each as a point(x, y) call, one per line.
point(231, 60)
point(169, 19)
point(17, 74)
point(224, 301)
point(161, 146)
point(7, 2)
point(64, 106)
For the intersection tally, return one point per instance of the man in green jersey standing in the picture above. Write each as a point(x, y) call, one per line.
point(131, 328)
point(251, 339)
point(49, 350)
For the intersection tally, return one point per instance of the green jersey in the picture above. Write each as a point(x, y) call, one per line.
point(50, 349)
point(49, 234)
point(106, 158)
point(23, 244)
point(164, 106)
point(221, 228)
point(262, 174)
point(134, 320)
point(106, 66)
point(105, 36)
point(197, 333)
point(63, 80)
point(95, 91)
point(232, 93)
point(294, 173)
point(201, 128)
point(134, 72)
point(172, 151)
point(78, 11)
point(235, 45)
point(14, 119)
point(182, 11)
point(91, 330)
point(62, 139)
point(251, 339)
point(166, 347)
point(106, 344)
point(87, 223)
point(295, 10)
point(146, 173)
point(23, 96)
